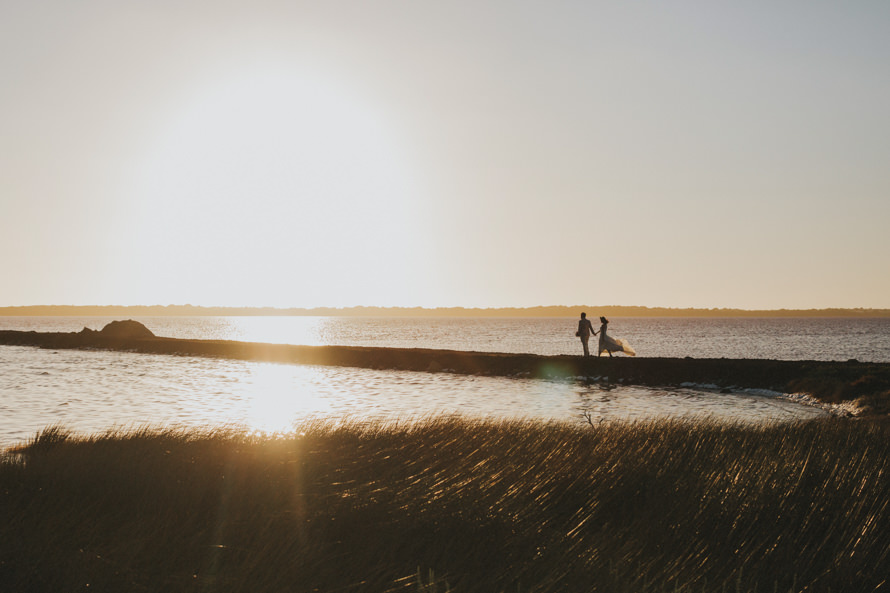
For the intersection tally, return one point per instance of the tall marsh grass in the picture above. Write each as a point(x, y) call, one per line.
point(452, 505)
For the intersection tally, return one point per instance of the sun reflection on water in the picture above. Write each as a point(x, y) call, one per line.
point(278, 394)
point(89, 391)
point(308, 331)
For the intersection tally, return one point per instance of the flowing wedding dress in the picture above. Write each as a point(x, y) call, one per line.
point(610, 344)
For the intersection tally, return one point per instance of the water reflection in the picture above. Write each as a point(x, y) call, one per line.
point(93, 391)
point(275, 395)
point(637, 403)
point(788, 339)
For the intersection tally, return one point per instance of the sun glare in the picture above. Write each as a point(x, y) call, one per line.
point(279, 395)
point(272, 186)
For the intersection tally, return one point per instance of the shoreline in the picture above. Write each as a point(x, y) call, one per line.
point(541, 311)
point(862, 388)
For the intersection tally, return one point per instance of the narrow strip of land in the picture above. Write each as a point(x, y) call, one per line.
point(568, 312)
point(865, 386)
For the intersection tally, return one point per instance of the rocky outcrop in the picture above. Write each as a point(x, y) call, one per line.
point(126, 329)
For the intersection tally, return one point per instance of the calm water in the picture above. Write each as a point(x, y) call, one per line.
point(94, 391)
point(786, 339)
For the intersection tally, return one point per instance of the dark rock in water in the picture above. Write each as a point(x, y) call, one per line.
point(126, 329)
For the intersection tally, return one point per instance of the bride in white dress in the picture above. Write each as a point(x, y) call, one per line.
point(610, 344)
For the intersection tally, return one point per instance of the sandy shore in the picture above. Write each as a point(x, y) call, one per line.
point(863, 388)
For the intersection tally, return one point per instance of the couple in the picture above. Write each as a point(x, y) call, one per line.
point(607, 342)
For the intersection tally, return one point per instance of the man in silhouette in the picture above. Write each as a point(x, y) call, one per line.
point(585, 330)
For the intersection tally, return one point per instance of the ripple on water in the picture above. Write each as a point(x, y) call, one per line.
point(91, 391)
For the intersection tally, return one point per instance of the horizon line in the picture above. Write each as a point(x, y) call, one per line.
point(419, 311)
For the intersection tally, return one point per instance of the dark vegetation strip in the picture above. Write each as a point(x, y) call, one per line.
point(452, 504)
point(570, 312)
point(866, 385)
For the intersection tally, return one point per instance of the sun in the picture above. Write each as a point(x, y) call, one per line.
point(275, 185)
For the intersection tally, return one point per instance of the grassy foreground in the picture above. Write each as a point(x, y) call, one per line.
point(452, 505)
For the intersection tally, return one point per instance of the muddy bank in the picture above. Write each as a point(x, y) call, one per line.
point(863, 386)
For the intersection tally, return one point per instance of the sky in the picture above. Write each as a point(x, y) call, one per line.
point(498, 153)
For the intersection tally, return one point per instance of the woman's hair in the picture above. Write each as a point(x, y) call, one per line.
point(604, 320)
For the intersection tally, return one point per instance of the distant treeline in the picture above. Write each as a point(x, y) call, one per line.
point(551, 311)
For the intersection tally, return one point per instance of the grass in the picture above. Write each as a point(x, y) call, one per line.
point(452, 505)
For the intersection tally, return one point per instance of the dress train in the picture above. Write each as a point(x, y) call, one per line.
point(609, 345)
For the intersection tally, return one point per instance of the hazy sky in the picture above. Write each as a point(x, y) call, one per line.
point(501, 153)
